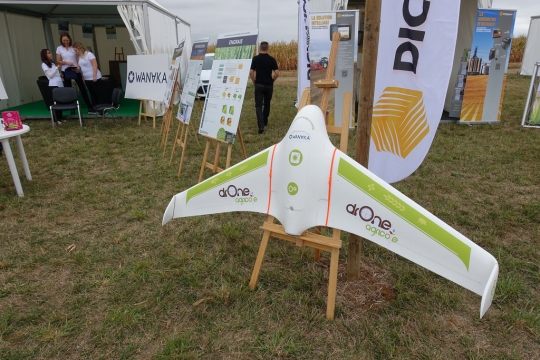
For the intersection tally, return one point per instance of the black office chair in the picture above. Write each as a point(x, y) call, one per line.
point(113, 105)
point(65, 98)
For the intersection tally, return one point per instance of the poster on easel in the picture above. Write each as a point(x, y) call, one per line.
point(227, 86)
point(189, 92)
point(531, 114)
point(147, 76)
point(322, 26)
point(3, 94)
point(173, 72)
point(487, 66)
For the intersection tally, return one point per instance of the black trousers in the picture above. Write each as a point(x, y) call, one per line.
point(80, 84)
point(93, 90)
point(263, 96)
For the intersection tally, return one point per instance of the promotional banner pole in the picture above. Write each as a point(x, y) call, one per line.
point(365, 112)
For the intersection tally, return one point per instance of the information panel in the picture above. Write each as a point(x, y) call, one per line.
point(322, 26)
point(487, 65)
point(227, 86)
point(198, 51)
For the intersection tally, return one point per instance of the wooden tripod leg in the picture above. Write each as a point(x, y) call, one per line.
point(241, 142)
point(332, 284)
point(258, 262)
point(140, 112)
point(216, 158)
point(194, 134)
point(175, 141)
point(229, 154)
point(204, 159)
point(185, 132)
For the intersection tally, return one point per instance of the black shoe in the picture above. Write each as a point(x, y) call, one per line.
point(261, 131)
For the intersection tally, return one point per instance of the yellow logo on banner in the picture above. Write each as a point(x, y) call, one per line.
point(399, 121)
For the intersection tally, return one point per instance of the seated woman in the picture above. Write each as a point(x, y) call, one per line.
point(52, 71)
point(89, 70)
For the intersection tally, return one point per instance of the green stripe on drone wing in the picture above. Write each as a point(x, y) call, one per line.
point(243, 168)
point(409, 214)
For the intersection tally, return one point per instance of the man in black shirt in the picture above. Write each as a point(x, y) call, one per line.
point(264, 71)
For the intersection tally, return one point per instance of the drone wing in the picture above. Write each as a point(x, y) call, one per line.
point(363, 204)
point(242, 187)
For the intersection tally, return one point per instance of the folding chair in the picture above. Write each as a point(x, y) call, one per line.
point(65, 98)
point(114, 105)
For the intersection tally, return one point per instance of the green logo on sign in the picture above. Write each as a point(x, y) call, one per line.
point(295, 157)
point(292, 188)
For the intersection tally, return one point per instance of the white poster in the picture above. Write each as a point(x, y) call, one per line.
point(3, 94)
point(303, 49)
point(227, 87)
point(189, 91)
point(416, 52)
point(174, 68)
point(147, 76)
point(322, 27)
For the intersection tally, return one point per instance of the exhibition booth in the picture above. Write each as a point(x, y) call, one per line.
point(112, 29)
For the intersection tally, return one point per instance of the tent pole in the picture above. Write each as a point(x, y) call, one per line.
point(49, 36)
point(147, 28)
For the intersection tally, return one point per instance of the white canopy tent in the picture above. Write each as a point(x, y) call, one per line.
point(531, 55)
point(26, 27)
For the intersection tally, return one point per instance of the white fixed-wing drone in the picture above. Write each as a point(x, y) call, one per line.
point(304, 181)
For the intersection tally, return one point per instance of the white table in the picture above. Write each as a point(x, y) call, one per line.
point(4, 139)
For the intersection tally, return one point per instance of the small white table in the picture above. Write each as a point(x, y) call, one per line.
point(4, 139)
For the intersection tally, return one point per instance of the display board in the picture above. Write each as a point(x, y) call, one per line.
point(173, 69)
point(189, 92)
point(147, 76)
point(3, 94)
point(322, 26)
point(227, 86)
point(531, 114)
point(487, 66)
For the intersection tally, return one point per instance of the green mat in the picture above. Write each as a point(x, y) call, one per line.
point(38, 109)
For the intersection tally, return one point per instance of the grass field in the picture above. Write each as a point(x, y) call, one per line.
point(88, 272)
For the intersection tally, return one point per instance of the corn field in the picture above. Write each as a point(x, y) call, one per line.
point(518, 47)
point(286, 54)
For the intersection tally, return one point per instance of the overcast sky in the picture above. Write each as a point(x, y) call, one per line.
point(278, 18)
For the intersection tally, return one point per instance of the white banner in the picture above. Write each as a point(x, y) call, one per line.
point(3, 94)
point(147, 76)
point(303, 49)
point(416, 52)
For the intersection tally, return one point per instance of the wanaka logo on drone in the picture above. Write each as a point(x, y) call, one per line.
point(147, 77)
point(240, 195)
point(299, 136)
point(375, 224)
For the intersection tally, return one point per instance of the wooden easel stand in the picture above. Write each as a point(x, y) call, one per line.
point(167, 118)
point(315, 240)
point(146, 114)
point(215, 165)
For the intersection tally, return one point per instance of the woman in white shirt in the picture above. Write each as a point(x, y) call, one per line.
point(67, 57)
point(52, 71)
point(89, 70)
